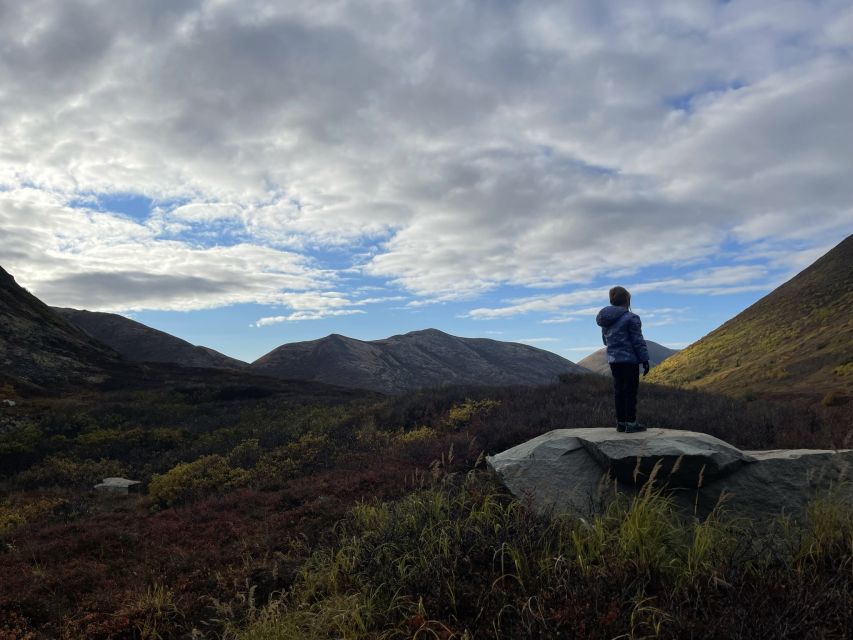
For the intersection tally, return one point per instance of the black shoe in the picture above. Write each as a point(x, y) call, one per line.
point(634, 427)
point(620, 427)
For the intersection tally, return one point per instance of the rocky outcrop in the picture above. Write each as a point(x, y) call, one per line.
point(575, 471)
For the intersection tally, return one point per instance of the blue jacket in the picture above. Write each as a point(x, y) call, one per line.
point(622, 333)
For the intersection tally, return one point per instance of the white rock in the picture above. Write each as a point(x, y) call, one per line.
point(118, 485)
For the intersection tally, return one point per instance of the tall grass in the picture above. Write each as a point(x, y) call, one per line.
point(463, 560)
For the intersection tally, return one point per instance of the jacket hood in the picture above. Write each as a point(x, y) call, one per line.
point(608, 315)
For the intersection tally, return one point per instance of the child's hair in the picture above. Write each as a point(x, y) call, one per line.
point(620, 297)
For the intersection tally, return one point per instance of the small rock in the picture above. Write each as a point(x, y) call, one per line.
point(119, 485)
point(8, 403)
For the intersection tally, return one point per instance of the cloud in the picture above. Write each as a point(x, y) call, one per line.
point(305, 315)
point(100, 261)
point(562, 142)
point(537, 340)
point(320, 305)
point(710, 281)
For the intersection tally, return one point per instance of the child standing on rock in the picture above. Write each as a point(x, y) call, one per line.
point(622, 333)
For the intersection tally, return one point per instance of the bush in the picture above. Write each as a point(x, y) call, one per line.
point(461, 415)
point(246, 454)
point(107, 442)
point(831, 399)
point(188, 481)
point(13, 515)
point(60, 471)
point(420, 434)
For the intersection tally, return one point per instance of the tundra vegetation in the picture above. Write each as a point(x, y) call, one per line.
point(270, 514)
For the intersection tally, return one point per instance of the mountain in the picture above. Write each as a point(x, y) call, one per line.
point(798, 338)
point(38, 347)
point(417, 359)
point(597, 361)
point(140, 343)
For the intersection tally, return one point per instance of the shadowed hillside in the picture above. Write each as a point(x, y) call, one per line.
point(140, 343)
point(38, 347)
point(597, 361)
point(413, 360)
point(798, 338)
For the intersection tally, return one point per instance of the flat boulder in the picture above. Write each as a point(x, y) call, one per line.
point(577, 470)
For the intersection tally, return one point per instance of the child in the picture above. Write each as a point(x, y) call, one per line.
point(622, 333)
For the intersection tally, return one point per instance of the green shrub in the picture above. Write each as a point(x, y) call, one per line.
point(273, 469)
point(311, 452)
point(61, 471)
point(831, 399)
point(188, 481)
point(110, 443)
point(22, 438)
point(420, 434)
point(461, 415)
point(246, 454)
point(13, 515)
point(845, 369)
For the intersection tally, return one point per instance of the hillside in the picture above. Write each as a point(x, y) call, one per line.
point(140, 343)
point(798, 338)
point(39, 347)
point(418, 359)
point(597, 361)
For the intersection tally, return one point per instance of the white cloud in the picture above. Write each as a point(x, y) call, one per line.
point(562, 142)
point(305, 315)
point(710, 281)
point(83, 258)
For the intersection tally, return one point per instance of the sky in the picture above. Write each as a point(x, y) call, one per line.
point(244, 174)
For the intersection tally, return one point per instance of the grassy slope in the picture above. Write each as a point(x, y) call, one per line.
point(798, 338)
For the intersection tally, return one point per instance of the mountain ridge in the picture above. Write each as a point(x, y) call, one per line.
point(40, 348)
point(140, 343)
point(422, 358)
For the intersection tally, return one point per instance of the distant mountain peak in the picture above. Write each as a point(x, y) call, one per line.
point(597, 361)
point(423, 358)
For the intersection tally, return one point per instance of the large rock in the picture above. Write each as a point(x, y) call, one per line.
point(576, 470)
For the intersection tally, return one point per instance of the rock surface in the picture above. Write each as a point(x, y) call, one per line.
point(574, 471)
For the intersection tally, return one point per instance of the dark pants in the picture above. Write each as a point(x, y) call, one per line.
point(626, 381)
